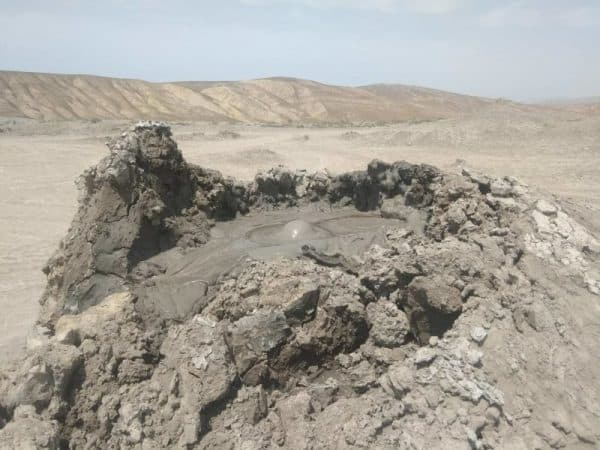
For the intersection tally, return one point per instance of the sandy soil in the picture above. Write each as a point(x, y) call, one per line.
point(557, 152)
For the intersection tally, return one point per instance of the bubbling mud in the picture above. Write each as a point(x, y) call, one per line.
point(295, 230)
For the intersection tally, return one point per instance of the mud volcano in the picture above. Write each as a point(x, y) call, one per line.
point(303, 310)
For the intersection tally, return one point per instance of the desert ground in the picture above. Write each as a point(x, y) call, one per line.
point(401, 306)
point(555, 151)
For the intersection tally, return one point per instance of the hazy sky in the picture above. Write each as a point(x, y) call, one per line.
point(530, 49)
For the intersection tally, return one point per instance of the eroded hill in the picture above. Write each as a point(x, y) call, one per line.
point(272, 100)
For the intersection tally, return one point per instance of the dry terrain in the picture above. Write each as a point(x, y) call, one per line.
point(348, 304)
point(39, 161)
point(401, 306)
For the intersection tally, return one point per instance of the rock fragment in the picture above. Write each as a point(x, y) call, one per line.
point(424, 356)
point(501, 188)
point(397, 381)
point(389, 325)
point(473, 357)
point(546, 208)
point(432, 307)
point(478, 334)
point(253, 337)
point(30, 432)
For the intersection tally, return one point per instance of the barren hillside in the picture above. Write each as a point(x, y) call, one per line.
point(272, 100)
point(59, 97)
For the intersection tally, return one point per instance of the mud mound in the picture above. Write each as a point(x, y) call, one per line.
point(396, 307)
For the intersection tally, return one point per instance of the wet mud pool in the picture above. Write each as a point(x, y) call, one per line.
point(180, 279)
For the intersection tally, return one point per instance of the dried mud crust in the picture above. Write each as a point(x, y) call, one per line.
point(437, 336)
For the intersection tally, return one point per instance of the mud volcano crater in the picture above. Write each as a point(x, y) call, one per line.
point(187, 309)
point(171, 232)
point(300, 266)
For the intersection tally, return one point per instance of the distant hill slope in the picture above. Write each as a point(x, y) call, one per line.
point(55, 97)
point(271, 100)
point(584, 105)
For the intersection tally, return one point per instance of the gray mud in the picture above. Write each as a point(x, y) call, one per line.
point(186, 275)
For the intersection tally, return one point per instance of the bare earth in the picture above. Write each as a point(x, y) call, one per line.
point(558, 152)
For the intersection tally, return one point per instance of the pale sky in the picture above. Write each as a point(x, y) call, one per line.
point(524, 50)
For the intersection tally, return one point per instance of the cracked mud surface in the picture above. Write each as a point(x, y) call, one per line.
point(396, 307)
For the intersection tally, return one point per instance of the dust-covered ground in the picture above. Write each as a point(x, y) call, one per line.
point(39, 161)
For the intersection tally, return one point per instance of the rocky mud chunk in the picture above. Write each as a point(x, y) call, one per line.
point(255, 338)
point(395, 178)
point(389, 325)
point(482, 181)
point(432, 307)
point(501, 188)
point(340, 326)
point(358, 188)
point(418, 196)
point(296, 410)
point(124, 202)
point(455, 217)
point(545, 207)
point(297, 297)
point(33, 386)
point(277, 183)
point(386, 271)
point(29, 431)
point(271, 343)
point(200, 371)
point(397, 381)
point(219, 197)
point(49, 374)
point(317, 185)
